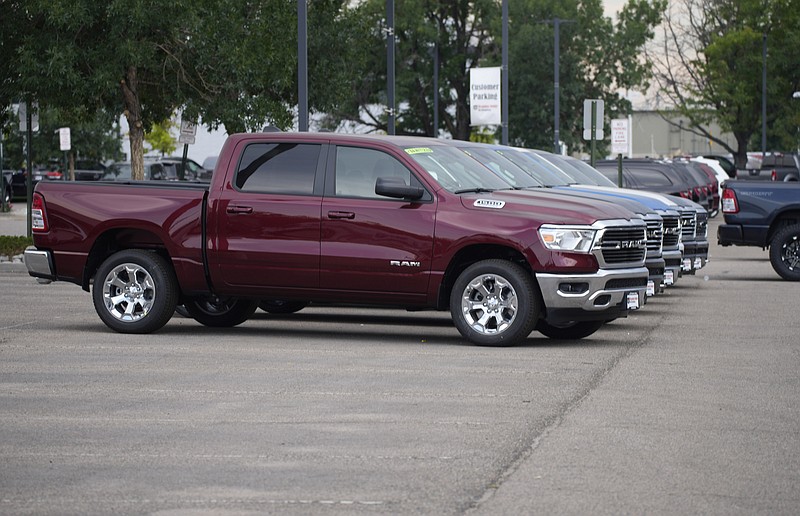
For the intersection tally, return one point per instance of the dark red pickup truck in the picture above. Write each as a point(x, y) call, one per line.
point(290, 219)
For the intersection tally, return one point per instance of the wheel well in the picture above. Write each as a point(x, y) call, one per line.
point(115, 240)
point(784, 219)
point(469, 255)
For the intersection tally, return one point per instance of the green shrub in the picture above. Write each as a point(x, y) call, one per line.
point(13, 245)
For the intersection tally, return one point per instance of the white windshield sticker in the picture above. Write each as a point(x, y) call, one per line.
point(489, 203)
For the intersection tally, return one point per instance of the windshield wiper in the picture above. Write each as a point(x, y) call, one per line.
point(474, 190)
point(481, 190)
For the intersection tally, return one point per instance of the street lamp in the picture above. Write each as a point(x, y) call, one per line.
point(556, 86)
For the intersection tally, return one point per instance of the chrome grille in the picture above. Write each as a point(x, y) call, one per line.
point(672, 229)
point(688, 223)
point(623, 245)
point(655, 234)
point(701, 229)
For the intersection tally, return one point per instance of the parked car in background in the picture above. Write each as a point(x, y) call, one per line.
point(660, 177)
point(89, 170)
point(726, 164)
point(161, 169)
point(647, 174)
point(210, 162)
point(781, 167)
point(194, 171)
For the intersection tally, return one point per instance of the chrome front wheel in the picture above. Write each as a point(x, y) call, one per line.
point(493, 303)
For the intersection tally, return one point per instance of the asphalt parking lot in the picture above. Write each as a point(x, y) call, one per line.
point(689, 405)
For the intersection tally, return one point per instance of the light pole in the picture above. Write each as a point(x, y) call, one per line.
point(556, 86)
point(796, 95)
point(764, 98)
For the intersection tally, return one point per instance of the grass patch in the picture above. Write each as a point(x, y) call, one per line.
point(13, 245)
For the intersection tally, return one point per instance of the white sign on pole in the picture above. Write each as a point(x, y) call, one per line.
point(587, 119)
point(188, 132)
point(619, 136)
point(484, 96)
point(64, 139)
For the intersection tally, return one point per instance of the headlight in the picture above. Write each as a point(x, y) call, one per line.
point(577, 240)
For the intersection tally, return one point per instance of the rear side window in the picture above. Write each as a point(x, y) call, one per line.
point(651, 178)
point(287, 168)
point(612, 174)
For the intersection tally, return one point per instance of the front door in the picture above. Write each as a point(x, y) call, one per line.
point(372, 243)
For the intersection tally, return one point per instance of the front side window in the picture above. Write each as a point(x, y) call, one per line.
point(287, 168)
point(358, 169)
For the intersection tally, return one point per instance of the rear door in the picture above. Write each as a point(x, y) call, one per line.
point(265, 228)
point(372, 243)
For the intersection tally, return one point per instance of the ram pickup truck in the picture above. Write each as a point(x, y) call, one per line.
point(295, 218)
point(765, 215)
point(776, 166)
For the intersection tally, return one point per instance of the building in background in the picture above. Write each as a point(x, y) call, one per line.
point(654, 137)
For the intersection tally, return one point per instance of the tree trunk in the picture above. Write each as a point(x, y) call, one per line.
point(133, 112)
point(740, 157)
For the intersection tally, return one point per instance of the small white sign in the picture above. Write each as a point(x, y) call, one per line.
point(632, 300)
point(188, 132)
point(484, 96)
point(64, 139)
point(619, 136)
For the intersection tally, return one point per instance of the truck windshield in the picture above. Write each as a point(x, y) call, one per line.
point(454, 170)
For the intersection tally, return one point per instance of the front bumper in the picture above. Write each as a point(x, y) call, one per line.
point(655, 267)
point(673, 262)
point(587, 297)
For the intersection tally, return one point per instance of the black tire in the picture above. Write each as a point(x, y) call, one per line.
point(569, 331)
point(784, 252)
point(280, 306)
point(494, 303)
point(135, 291)
point(182, 311)
point(220, 312)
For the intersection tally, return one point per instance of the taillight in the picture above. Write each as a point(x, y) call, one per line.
point(774, 175)
point(38, 215)
point(729, 202)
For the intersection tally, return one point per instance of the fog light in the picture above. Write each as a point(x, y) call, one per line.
point(573, 288)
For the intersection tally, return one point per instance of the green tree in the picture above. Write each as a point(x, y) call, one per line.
point(460, 29)
point(709, 67)
point(93, 137)
point(246, 51)
point(597, 59)
point(160, 138)
point(124, 56)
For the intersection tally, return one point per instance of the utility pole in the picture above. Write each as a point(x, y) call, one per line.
point(556, 86)
point(504, 87)
point(390, 37)
point(302, 66)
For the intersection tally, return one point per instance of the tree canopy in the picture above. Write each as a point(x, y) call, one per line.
point(709, 65)
point(226, 61)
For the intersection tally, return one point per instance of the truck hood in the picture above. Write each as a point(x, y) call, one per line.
point(652, 200)
point(546, 206)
